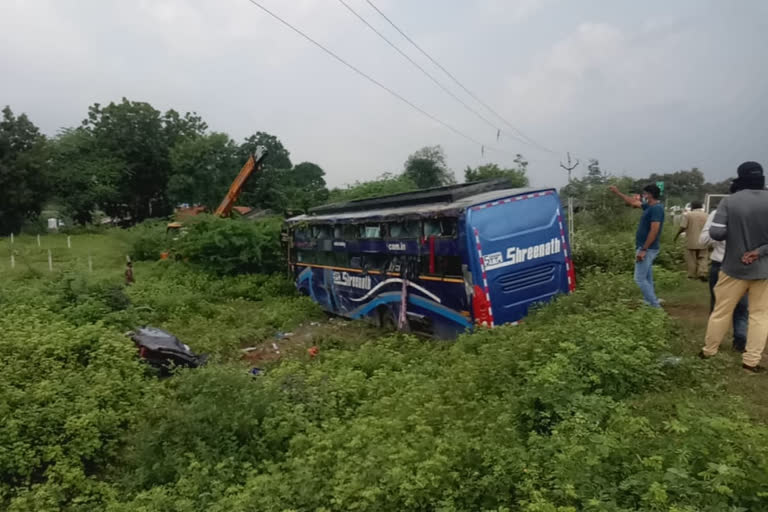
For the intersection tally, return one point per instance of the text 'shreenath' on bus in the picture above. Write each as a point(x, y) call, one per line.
point(440, 260)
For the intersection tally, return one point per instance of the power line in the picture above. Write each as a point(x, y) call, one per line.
point(529, 140)
point(420, 68)
point(376, 82)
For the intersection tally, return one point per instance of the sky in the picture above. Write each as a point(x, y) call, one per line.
point(652, 86)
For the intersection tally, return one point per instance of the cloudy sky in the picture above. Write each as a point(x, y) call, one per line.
point(644, 86)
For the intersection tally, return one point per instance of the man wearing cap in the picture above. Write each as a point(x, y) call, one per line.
point(742, 222)
point(741, 313)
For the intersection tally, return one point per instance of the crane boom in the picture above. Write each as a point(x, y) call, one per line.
point(253, 164)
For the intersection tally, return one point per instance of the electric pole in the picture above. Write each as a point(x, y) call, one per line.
point(569, 168)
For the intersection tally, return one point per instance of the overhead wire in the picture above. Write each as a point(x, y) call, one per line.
point(529, 140)
point(421, 68)
point(377, 83)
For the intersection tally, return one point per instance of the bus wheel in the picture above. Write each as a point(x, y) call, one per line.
point(385, 319)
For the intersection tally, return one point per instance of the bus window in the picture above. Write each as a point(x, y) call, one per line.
point(301, 235)
point(440, 227)
point(325, 258)
point(448, 265)
point(341, 259)
point(349, 231)
point(304, 256)
point(321, 232)
point(370, 231)
point(405, 229)
point(338, 232)
point(444, 266)
point(375, 261)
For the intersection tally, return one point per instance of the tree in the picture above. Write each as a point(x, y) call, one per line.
point(384, 185)
point(515, 176)
point(23, 171)
point(141, 137)
point(426, 168)
point(84, 177)
point(268, 188)
point(680, 186)
point(308, 187)
point(277, 158)
point(202, 168)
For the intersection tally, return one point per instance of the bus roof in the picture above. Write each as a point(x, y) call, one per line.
point(445, 208)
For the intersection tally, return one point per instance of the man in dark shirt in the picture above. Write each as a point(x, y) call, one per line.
point(742, 222)
point(646, 238)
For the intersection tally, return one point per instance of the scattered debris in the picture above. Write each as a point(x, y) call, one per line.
point(312, 351)
point(670, 361)
point(256, 371)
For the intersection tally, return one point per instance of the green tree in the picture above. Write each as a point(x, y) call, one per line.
point(680, 186)
point(426, 168)
point(308, 186)
point(516, 176)
point(84, 177)
point(141, 137)
point(23, 171)
point(277, 156)
point(202, 168)
point(385, 184)
point(268, 188)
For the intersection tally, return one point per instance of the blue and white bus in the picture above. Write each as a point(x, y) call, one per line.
point(437, 261)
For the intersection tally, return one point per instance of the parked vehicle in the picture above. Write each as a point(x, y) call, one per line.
point(440, 260)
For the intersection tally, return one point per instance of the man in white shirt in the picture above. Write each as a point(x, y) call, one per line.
point(741, 313)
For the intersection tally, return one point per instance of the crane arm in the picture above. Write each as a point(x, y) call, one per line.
point(253, 164)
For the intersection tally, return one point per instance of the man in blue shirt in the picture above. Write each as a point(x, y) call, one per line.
point(646, 238)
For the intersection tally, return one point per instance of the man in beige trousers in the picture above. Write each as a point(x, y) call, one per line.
point(696, 253)
point(742, 222)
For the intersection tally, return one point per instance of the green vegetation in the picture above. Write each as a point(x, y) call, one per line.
point(516, 176)
point(581, 407)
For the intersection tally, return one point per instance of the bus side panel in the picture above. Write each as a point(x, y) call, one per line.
point(440, 305)
point(524, 251)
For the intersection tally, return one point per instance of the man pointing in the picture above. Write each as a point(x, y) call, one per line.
point(646, 238)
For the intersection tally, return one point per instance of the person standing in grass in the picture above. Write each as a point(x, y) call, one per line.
point(741, 221)
point(741, 312)
point(695, 252)
point(646, 238)
point(129, 273)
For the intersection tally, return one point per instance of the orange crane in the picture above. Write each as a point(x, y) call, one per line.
point(253, 164)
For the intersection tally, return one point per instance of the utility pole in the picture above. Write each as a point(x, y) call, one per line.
point(569, 168)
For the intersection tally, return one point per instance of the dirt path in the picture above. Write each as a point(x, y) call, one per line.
point(688, 302)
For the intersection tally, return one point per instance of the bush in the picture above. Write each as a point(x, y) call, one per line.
point(68, 395)
point(229, 246)
point(148, 240)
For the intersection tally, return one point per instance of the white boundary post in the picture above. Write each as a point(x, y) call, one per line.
point(69, 242)
point(38, 240)
point(50, 261)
